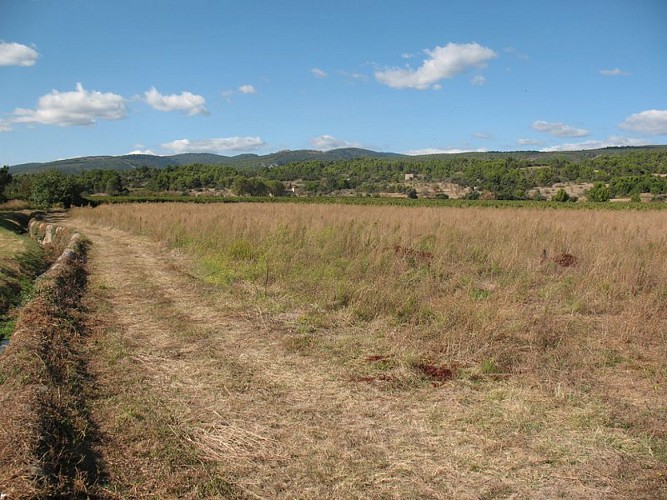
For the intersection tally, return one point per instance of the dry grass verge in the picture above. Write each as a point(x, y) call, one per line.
point(46, 432)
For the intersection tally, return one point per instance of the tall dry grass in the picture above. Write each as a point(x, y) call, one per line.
point(486, 290)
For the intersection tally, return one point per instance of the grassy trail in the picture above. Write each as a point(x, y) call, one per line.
point(199, 396)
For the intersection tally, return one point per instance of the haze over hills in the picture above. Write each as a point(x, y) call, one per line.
point(250, 161)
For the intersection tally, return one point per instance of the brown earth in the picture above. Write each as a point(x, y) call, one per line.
point(200, 396)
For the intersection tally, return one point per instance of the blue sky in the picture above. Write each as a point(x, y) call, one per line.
point(93, 77)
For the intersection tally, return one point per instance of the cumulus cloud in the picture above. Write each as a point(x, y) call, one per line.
point(15, 54)
point(318, 73)
point(652, 121)
point(559, 129)
point(438, 151)
point(5, 126)
point(185, 102)
point(81, 107)
point(327, 142)
point(214, 145)
point(247, 89)
point(529, 142)
point(611, 142)
point(614, 72)
point(442, 62)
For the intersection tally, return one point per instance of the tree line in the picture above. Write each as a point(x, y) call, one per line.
point(508, 178)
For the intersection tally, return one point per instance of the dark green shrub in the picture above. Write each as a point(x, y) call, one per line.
point(561, 196)
point(598, 193)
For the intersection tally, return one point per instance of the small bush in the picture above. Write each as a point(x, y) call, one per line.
point(561, 196)
point(599, 193)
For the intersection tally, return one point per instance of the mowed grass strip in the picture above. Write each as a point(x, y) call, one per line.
point(547, 329)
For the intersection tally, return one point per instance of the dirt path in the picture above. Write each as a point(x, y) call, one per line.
point(198, 399)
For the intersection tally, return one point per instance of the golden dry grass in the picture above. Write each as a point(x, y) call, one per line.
point(306, 366)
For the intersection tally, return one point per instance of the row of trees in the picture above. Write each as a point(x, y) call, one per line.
point(52, 187)
point(615, 175)
point(45, 189)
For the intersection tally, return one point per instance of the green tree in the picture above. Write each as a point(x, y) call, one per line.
point(113, 186)
point(252, 186)
point(53, 186)
point(275, 188)
point(598, 193)
point(19, 188)
point(561, 195)
point(5, 179)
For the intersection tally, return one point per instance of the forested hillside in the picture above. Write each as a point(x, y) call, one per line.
point(242, 161)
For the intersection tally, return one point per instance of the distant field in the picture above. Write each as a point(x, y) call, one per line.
point(548, 328)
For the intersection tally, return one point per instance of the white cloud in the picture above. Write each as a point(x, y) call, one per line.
point(81, 107)
point(247, 89)
point(327, 142)
point(482, 135)
point(478, 80)
point(443, 62)
point(437, 151)
point(186, 102)
point(5, 126)
point(15, 54)
point(143, 152)
point(529, 142)
point(559, 129)
point(318, 73)
point(214, 145)
point(614, 72)
point(652, 121)
point(611, 142)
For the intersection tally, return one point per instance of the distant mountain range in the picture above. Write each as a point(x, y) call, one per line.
point(249, 161)
point(74, 165)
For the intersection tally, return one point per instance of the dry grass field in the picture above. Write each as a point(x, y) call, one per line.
point(338, 351)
